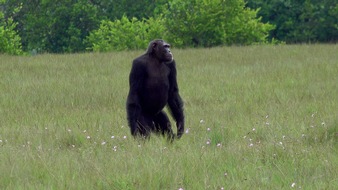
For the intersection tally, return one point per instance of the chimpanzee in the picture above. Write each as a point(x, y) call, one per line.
point(153, 85)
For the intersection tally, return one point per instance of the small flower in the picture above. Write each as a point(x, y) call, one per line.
point(69, 130)
point(124, 137)
point(208, 129)
point(293, 184)
point(303, 135)
point(103, 143)
point(253, 129)
point(112, 137)
point(139, 146)
point(187, 131)
point(251, 144)
point(88, 137)
point(283, 136)
point(219, 144)
point(180, 188)
point(84, 131)
point(201, 121)
point(208, 141)
point(225, 174)
point(323, 123)
point(280, 143)
point(73, 146)
point(115, 148)
point(0, 141)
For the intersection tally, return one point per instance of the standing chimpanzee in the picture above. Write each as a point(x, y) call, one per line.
point(153, 85)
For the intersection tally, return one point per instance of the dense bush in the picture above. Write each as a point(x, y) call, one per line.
point(71, 25)
point(64, 25)
point(10, 41)
point(184, 23)
point(55, 27)
point(300, 20)
point(125, 34)
point(213, 22)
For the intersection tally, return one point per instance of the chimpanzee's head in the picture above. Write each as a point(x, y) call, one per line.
point(161, 50)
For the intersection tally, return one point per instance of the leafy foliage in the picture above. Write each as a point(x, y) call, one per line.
point(10, 40)
point(115, 9)
point(125, 34)
point(300, 21)
point(213, 22)
point(64, 25)
point(71, 25)
point(55, 27)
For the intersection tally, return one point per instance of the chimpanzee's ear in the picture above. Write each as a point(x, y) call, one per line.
point(151, 47)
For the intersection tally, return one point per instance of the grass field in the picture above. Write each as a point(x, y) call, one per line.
point(257, 117)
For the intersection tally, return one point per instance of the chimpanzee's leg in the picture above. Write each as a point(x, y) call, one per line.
point(145, 125)
point(162, 124)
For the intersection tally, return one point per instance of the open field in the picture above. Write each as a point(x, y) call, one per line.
point(257, 117)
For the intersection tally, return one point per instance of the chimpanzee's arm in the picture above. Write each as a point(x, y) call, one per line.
point(175, 102)
point(136, 79)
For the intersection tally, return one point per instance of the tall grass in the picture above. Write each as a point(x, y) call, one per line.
point(257, 117)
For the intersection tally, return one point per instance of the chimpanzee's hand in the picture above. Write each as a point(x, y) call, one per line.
point(180, 129)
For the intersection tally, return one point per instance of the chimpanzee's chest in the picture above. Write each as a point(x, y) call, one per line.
point(157, 78)
point(155, 91)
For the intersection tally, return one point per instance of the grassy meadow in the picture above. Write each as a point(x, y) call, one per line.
point(257, 117)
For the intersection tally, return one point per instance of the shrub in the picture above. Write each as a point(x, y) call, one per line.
point(213, 22)
point(10, 41)
point(125, 34)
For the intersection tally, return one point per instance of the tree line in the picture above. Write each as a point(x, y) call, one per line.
point(68, 26)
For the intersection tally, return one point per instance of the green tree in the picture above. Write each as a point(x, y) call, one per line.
point(300, 20)
point(53, 26)
point(70, 25)
point(213, 22)
point(116, 9)
point(125, 34)
point(10, 41)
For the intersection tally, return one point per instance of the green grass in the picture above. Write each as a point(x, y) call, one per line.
point(272, 114)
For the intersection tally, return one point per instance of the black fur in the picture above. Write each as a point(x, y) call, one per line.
point(153, 85)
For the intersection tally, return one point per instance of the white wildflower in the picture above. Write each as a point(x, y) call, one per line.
point(293, 184)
